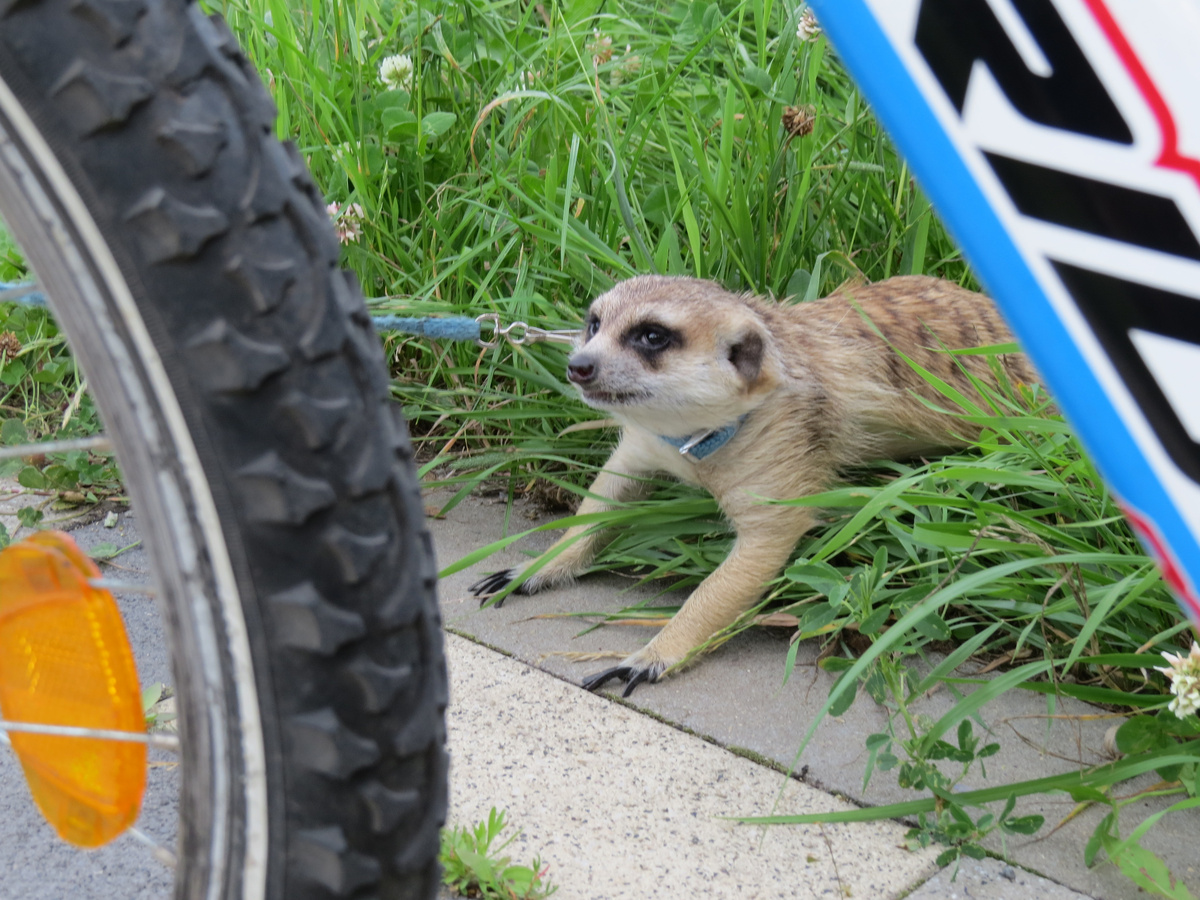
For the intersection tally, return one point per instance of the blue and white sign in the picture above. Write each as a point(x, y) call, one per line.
point(1060, 141)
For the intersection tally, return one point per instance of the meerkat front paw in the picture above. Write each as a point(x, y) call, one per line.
point(547, 577)
point(493, 583)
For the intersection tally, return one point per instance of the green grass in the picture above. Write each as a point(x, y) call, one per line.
point(542, 152)
point(516, 170)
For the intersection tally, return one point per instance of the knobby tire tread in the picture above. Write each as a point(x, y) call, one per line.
point(167, 133)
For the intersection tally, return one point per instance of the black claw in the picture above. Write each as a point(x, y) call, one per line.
point(597, 681)
point(490, 584)
point(640, 676)
point(630, 675)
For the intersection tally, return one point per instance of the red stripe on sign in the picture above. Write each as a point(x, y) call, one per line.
point(1170, 157)
point(1172, 572)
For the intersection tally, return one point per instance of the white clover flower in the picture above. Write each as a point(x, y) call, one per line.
point(347, 221)
point(601, 47)
point(627, 66)
point(1184, 674)
point(396, 72)
point(346, 150)
point(808, 29)
point(348, 155)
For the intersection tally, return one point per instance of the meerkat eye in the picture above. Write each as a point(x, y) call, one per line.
point(591, 326)
point(651, 339)
point(654, 338)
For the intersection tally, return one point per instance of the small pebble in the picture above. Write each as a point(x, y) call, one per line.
point(1008, 872)
point(110, 521)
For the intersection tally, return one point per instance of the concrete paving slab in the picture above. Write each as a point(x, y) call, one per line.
point(991, 879)
point(619, 805)
point(737, 697)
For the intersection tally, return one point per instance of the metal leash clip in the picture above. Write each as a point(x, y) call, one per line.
point(519, 333)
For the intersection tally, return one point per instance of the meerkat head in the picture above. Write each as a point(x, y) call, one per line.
point(673, 355)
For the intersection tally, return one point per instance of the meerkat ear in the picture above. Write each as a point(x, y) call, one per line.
point(746, 354)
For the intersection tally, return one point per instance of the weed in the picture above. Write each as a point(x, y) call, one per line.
point(475, 868)
point(43, 396)
point(159, 714)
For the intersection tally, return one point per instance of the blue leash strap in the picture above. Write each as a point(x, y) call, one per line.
point(452, 328)
point(460, 328)
point(22, 292)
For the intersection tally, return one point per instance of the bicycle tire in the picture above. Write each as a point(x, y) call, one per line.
point(189, 260)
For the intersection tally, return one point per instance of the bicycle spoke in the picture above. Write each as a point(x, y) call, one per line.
point(161, 741)
point(99, 442)
point(161, 853)
point(115, 586)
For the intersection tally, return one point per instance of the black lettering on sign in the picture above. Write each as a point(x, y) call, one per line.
point(953, 34)
point(1084, 204)
point(1114, 306)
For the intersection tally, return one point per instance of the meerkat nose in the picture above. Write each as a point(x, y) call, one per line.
point(581, 369)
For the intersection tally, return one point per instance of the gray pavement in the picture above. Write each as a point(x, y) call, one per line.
point(635, 800)
point(990, 879)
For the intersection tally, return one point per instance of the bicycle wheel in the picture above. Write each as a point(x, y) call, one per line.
point(188, 259)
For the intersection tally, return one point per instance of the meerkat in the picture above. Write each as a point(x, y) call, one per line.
point(753, 401)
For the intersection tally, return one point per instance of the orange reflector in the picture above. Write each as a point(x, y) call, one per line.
point(65, 660)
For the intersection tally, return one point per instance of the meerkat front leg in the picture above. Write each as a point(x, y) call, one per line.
point(622, 479)
point(765, 540)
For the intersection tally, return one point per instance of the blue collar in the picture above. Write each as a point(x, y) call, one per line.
point(697, 446)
